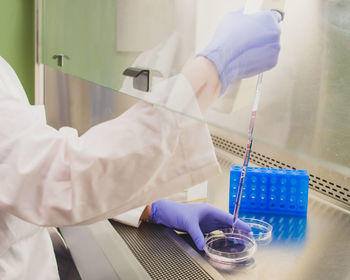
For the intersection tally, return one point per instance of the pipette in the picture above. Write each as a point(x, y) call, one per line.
point(250, 6)
point(248, 148)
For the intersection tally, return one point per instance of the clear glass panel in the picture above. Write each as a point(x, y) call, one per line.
point(305, 100)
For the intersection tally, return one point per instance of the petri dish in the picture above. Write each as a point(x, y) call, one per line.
point(261, 230)
point(229, 247)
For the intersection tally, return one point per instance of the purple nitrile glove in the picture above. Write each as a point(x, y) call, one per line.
point(244, 45)
point(195, 219)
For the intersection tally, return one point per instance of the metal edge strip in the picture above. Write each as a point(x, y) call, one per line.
point(117, 252)
point(87, 255)
point(99, 252)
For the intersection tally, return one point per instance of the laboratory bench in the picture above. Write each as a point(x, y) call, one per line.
point(312, 247)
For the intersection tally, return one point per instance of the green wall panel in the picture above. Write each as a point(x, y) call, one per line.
point(17, 40)
point(84, 30)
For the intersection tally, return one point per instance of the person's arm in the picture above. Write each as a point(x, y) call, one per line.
point(146, 214)
point(56, 178)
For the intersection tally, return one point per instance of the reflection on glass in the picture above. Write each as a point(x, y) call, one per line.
point(286, 229)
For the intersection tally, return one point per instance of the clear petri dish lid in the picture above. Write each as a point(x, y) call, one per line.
point(229, 247)
point(261, 231)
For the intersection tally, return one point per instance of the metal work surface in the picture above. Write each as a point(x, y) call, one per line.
point(318, 249)
point(156, 249)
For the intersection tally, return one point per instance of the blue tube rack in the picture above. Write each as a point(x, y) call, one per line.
point(271, 190)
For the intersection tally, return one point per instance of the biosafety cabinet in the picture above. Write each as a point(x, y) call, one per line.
point(95, 59)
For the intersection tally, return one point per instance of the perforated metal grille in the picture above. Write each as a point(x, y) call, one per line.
point(340, 193)
point(159, 254)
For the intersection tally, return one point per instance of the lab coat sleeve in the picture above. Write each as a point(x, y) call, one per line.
point(130, 218)
point(55, 178)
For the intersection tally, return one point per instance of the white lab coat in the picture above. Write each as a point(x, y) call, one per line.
point(55, 178)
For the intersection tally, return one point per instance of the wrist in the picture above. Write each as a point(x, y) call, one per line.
point(204, 79)
point(227, 71)
point(146, 214)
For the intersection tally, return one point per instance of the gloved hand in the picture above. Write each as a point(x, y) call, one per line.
point(244, 45)
point(195, 219)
